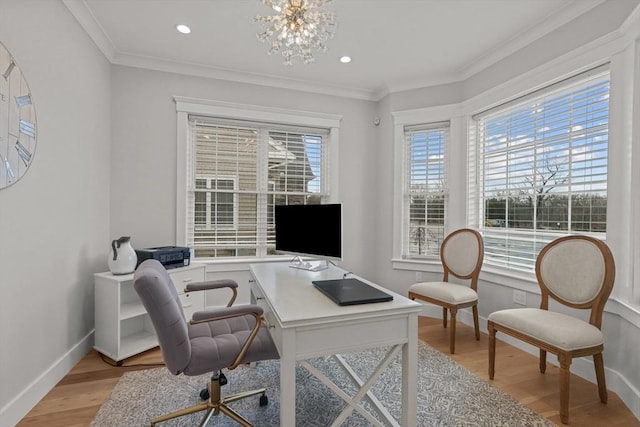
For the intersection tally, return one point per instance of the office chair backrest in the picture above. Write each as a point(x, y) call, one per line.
point(577, 271)
point(462, 253)
point(158, 294)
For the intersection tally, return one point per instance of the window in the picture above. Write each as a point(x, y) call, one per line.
point(541, 165)
point(241, 170)
point(214, 209)
point(424, 189)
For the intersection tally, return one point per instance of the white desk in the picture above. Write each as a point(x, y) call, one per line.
point(304, 324)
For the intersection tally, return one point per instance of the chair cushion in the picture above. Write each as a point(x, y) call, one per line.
point(215, 345)
point(461, 253)
point(450, 293)
point(559, 330)
point(574, 270)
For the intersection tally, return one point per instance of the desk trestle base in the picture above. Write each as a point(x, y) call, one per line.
point(353, 403)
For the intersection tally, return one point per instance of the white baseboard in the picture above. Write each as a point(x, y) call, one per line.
point(582, 367)
point(29, 397)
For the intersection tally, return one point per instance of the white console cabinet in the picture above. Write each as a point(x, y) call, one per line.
point(122, 326)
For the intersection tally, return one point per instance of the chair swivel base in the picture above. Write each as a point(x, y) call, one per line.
point(215, 405)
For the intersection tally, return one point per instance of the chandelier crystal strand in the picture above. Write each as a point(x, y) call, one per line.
point(299, 27)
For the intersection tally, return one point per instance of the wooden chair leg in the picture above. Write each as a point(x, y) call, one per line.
point(452, 333)
point(476, 323)
point(565, 376)
point(444, 317)
point(492, 349)
point(543, 361)
point(598, 361)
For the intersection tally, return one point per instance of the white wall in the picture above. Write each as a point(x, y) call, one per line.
point(143, 191)
point(54, 221)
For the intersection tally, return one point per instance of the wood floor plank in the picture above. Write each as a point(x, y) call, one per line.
point(77, 398)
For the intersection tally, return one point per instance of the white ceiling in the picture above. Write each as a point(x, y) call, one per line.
point(395, 44)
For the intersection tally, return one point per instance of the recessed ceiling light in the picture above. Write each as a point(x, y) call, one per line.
point(183, 29)
point(345, 59)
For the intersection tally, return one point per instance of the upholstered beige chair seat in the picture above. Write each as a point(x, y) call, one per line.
point(558, 330)
point(447, 292)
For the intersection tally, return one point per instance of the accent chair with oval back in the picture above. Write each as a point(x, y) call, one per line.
point(578, 272)
point(461, 253)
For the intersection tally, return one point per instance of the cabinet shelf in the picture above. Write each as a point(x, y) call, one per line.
point(137, 343)
point(132, 309)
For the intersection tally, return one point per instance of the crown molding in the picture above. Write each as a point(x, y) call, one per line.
point(519, 41)
point(545, 26)
point(200, 70)
point(88, 22)
point(85, 18)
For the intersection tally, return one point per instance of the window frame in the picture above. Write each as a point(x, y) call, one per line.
point(476, 194)
point(208, 214)
point(190, 106)
point(408, 193)
point(456, 184)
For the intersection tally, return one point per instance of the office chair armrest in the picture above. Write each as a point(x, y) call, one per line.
point(215, 284)
point(227, 313)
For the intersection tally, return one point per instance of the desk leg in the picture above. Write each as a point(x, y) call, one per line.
point(409, 374)
point(288, 380)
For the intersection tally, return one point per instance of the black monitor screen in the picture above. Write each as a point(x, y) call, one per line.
point(309, 230)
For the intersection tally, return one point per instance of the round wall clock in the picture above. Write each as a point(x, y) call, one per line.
point(17, 121)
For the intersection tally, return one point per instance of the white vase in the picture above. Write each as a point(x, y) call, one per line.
point(122, 258)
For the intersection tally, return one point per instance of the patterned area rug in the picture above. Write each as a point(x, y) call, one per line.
point(448, 395)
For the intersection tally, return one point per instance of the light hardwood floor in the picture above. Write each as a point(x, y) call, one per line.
point(76, 399)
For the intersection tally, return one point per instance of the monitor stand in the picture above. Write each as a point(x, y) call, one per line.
point(299, 263)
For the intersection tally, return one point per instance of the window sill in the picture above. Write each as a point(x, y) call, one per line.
point(495, 275)
point(629, 312)
point(426, 265)
point(235, 264)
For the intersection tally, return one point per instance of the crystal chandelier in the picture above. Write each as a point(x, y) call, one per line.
point(299, 27)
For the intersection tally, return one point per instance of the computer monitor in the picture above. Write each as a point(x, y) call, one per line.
point(309, 230)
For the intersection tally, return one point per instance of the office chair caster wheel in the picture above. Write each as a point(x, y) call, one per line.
point(264, 400)
point(204, 394)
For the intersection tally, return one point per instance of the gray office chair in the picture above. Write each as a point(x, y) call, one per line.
point(213, 340)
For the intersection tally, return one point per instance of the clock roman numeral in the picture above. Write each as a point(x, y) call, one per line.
point(9, 70)
point(10, 175)
point(24, 154)
point(28, 128)
point(23, 100)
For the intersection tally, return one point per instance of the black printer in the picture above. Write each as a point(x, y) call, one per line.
point(169, 256)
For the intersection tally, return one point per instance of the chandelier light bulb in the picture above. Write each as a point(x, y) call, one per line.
point(299, 27)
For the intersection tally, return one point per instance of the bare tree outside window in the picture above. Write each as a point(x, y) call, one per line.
point(544, 170)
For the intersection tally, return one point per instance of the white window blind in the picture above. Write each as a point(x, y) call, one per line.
point(238, 172)
point(542, 169)
point(424, 189)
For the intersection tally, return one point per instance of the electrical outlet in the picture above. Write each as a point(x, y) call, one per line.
point(520, 297)
point(418, 276)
